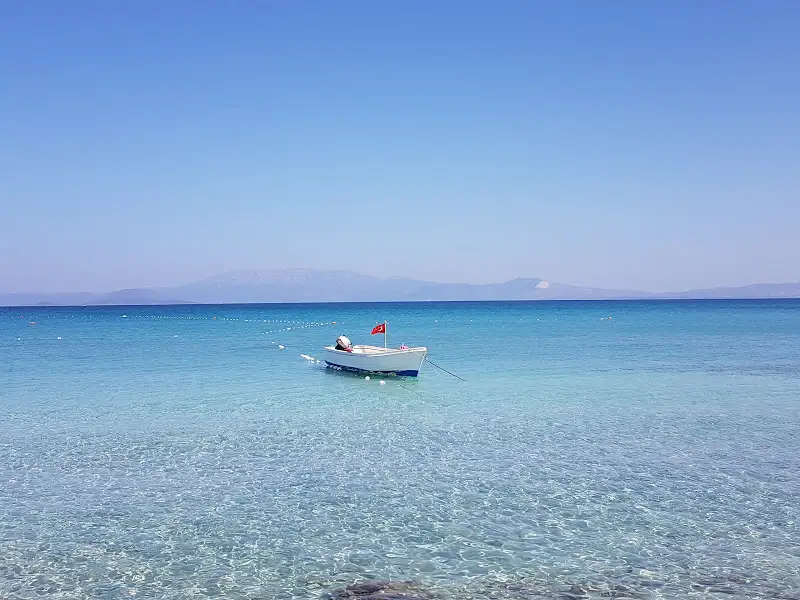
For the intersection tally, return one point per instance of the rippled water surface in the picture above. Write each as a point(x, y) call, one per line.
point(177, 452)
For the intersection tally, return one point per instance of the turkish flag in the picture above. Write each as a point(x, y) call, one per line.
point(379, 329)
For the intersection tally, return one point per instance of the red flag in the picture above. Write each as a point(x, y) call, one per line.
point(379, 329)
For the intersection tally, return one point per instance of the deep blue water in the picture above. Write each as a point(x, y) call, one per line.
point(177, 452)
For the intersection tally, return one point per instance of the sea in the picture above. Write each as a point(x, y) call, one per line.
point(637, 449)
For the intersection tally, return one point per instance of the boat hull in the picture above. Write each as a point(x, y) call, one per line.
point(371, 359)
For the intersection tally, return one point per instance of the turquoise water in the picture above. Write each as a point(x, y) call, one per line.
point(177, 452)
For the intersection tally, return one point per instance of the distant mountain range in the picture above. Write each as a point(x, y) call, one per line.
point(308, 285)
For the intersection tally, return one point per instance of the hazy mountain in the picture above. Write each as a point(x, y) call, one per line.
point(756, 290)
point(136, 296)
point(308, 285)
point(121, 297)
point(286, 285)
point(45, 299)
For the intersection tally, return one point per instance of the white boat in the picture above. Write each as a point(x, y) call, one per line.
point(374, 359)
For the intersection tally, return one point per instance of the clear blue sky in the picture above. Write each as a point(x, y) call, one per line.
point(651, 145)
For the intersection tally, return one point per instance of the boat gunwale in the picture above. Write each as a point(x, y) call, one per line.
point(378, 351)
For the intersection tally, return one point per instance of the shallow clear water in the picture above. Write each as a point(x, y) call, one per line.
point(177, 452)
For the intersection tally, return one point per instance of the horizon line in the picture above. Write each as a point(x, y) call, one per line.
point(338, 302)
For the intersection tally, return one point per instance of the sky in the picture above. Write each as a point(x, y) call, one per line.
point(639, 145)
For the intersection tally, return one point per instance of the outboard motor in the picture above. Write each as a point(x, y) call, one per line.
point(342, 343)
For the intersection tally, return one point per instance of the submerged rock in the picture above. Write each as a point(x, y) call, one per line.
point(575, 592)
point(380, 590)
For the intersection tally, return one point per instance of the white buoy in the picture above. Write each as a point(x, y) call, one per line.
point(281, 346)
point(366, 378)
point(59, 337)
point(383, 382)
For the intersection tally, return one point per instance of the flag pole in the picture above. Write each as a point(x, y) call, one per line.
point(385, 343)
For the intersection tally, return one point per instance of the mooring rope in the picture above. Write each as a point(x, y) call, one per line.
point(443, 369)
